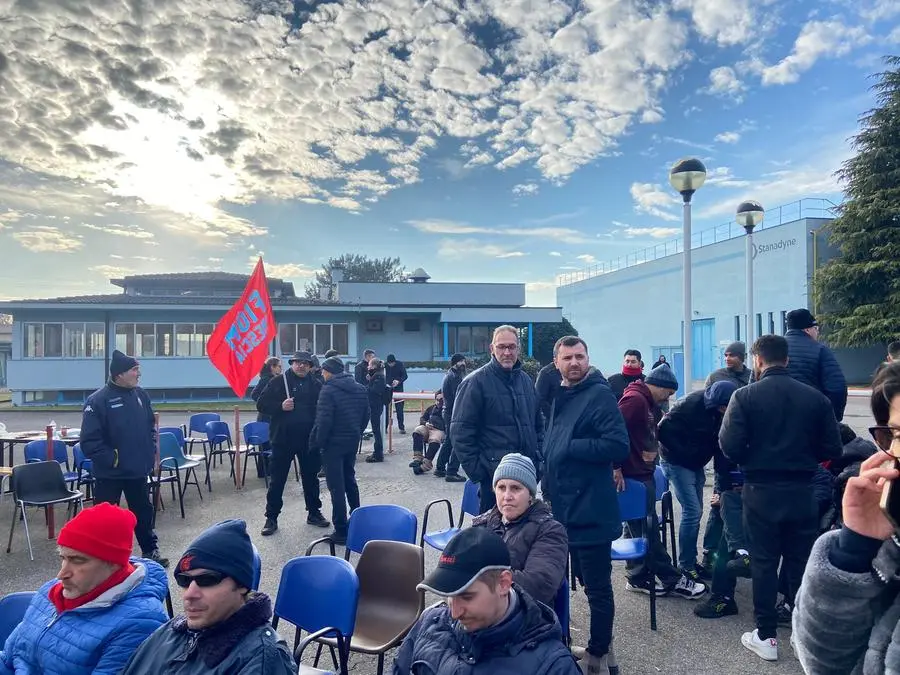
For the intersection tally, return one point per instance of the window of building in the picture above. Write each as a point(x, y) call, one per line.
point(95, 342)
point(411, 326)
point(771, 323)
point(314, 338)
point(481, 339)
point(758, 325)
point(165, 339)
point(125, 337)
point(144, 340)
point(184, 334)
point(55, 340)
point(737, 328)
point(783, 322)
point(470, 340)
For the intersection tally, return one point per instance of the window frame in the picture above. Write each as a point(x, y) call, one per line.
point(66, 330)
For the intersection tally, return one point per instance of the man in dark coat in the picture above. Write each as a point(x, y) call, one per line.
point(360, 370)
point(778, 430)
point(290, 402)
point(546, 386)
point(812, 363)
point(734, 370)
point(447, 466)
point(688, 440)
point(342, 414)
point(118, 433)
point(226, 628)
point(395, 374)
point(488, 625)
point(632, 371)
point(585, 436)
point(496, 413)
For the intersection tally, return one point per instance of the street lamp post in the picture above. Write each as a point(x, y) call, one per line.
point(687, 176)
point(749, 215)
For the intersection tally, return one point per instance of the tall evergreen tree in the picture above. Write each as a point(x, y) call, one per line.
point(860, 288)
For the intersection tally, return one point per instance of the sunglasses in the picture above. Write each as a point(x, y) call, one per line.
point(884, 438)
point(205, 580)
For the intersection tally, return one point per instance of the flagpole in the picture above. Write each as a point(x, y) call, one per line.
point(238, 483)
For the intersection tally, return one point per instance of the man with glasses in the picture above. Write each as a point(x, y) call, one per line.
point(225, 627)
point(778, 430)
point(495, 413)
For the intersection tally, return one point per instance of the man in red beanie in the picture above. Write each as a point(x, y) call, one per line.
point(102, 605)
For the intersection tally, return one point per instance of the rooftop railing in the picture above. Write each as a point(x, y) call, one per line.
point(814, 207)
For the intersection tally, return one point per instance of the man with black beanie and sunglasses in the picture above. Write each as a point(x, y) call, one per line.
point(226, 627)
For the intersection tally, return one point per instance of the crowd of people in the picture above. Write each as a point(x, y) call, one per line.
point(549, 458)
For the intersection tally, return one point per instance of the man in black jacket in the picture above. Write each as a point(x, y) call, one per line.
point(447, 466)
point(395, 374)
point(428, 434)
point(496, 413)
point(813, 363)
point(734, 370)
point(118, 433)
point(360, 370)
point(584, 437)
point(342, 414)
point(632, 371)
point(778, 430)
point(546, 386)
point(290, 401)
point(688, 438)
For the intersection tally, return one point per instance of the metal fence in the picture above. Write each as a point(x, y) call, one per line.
point(803, 208)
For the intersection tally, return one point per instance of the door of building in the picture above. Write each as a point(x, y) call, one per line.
point(705, 348)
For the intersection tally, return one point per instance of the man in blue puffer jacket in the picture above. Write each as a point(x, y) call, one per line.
point(488, 625)
point(811, 362)
point(118, 433)
point(100, 608)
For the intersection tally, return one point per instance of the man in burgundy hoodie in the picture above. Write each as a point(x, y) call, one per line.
point(632, 371)
point(639, 406)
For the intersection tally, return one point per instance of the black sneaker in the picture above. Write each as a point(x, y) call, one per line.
point(693, 575)
point(439, 473)
point(739, 566)
point(418, 470)
point(338, 538)
point(644, 586)
point(270, 527)
point(784, 613)
point(372, 459)
point(317, 519)
point(704, 572)
point(413, 464)
point(455, 478)
point(715, 607)
point(155, 556)
point(708, 559)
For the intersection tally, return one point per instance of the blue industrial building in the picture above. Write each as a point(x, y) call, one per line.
point(61, 346)
point(637, 301)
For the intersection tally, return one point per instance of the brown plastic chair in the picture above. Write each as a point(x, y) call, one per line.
point(389, 604)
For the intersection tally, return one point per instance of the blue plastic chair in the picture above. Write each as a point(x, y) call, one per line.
point(319, 595)
point(256, 435)
point(12, 611)
point(178, 433)
point(36, 451)
point(173, 460)
point(667, 511)
point(561, 607)
point(634, 504)
point(218, 437)
point(197, 424)
point(84, 468)
point(471, 505)
point(384, 522)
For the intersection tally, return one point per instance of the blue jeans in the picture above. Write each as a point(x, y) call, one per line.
point(687, 484)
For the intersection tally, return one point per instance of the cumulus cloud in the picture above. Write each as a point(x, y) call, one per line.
point(653, 200)
point(464, 248)
point(283, 270)
point(723, 81)
point(817, 39)
point(120, 230)
point(728, 137)
point(46, 239)
point(727, 22)
point(555, 254)
point(525, 189)
point(651, 232)
point(438, 226)
point(586, 258)
point(110, 271)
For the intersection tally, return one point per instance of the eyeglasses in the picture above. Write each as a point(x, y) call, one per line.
point(884, 438)
point(205, 580)
point(506, 348)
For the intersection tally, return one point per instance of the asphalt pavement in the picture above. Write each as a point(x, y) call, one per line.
point(683, 644)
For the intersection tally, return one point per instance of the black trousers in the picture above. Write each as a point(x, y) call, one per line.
point(398, 413)
point(340, 476)
point(447, 459)
point(283, 454)
point(780, 523)
point(593, 568)
point(377, 434)
point(137, 494)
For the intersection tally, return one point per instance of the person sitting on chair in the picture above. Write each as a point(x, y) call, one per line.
point(102, 605)
point(225, 627)
point(428, 436)
point(538, 544)
point(488, 622)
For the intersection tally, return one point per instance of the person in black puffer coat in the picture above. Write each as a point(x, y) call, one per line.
point(856, 451)
point(379, 392)
point(812, 363)
point(495, 413)
point(538, 544)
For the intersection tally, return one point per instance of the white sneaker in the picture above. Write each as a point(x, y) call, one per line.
point(645, 587)
point(765, 649)
point(688, 588)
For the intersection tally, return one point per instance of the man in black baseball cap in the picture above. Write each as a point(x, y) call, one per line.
point(492, 619)
point(813, 363)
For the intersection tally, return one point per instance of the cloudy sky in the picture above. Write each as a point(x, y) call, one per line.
point(506, 140)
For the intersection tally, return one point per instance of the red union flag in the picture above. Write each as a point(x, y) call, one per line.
point(239, 345)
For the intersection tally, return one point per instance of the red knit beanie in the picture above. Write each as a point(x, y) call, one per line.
point(103, 531)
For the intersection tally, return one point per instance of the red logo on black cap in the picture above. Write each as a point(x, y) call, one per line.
point(448, 559)
point(185, 563)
